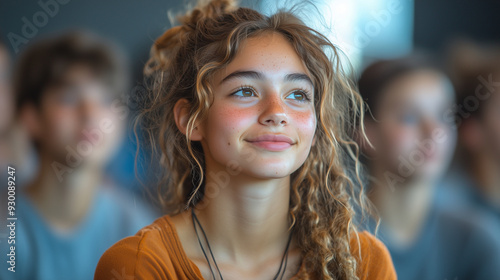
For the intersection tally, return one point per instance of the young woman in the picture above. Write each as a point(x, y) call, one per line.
point(414, 141)
point(251, 118)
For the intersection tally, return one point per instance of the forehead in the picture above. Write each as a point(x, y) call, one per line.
point(270, 53)
point(81, 75)
point(426, 87)
point(81, 81)
point(78, 72)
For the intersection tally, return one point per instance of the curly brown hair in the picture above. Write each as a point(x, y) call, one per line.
point(326, 191)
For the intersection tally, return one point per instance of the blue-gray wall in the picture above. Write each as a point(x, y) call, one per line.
point(131, 24)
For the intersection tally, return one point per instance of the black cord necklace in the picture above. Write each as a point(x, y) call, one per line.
point(196, 221)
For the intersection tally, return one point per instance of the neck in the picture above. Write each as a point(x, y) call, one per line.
point(403, 209)
point(63, 203)
point(247, 218)
point(485, 172)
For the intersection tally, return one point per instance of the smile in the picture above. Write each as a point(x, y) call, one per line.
point(272, 142)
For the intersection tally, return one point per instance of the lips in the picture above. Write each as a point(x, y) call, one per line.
point(272, 142)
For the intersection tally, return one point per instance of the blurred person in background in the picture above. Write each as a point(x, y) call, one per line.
point(412, 148)
point(66, 89)
point(6, 103)
point(15, 149)
point(14, 145)
point(475, 178)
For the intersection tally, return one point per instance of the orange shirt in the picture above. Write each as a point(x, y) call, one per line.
point(155, 252)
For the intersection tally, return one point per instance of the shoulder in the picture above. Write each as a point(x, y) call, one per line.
point(115, 204)
point(374, 260)
point(469, 226)
point(475, 236)
point(150, 254)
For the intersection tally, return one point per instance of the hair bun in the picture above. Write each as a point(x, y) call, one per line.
point(208, 9)
point(168, 44)
point(164, 49)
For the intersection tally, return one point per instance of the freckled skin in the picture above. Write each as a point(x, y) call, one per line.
point(231, 120)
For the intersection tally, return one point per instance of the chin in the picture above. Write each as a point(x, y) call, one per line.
point(269, 172)
point(432, 172)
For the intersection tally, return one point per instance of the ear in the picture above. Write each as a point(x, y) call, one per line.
point(30, 118)
point(181, 115)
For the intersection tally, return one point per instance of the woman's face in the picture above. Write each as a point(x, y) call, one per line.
point(262, 120)
point(411, 136)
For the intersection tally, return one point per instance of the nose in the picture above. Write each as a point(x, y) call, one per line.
point(274, 113)
point(429, 126)
point(90, 112)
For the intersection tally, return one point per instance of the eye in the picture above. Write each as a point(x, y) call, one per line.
point(244, 92)
point(409, 119)
point(299, 95)
point(107, 100)
point(69, 97)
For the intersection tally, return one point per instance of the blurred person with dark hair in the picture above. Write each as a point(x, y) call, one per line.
point(6, 112)
point(15, 152)
point(67, 89)
point(411, 147)
point(6, 116)
point(475, 178)
point(6, 99)
point(14, 145)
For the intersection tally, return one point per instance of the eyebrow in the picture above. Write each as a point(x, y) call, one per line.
point(259, 76)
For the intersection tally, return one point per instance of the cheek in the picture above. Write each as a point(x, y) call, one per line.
point(111, 124)
point(449, 140)
point(398, 139)
point(62, 123)
point(232, 117)
point(305, 124)
point(224, 125)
